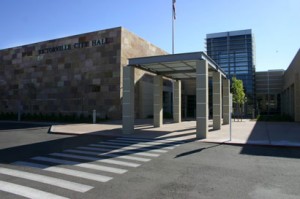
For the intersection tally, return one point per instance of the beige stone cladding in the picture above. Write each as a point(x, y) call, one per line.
point(74, 75)
point(291, 89)
point(69, 75)
point(134, 46)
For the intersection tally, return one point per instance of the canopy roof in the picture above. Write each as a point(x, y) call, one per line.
point(175, 66)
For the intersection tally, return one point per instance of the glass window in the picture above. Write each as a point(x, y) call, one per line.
point(241, 68)
point(241, 72)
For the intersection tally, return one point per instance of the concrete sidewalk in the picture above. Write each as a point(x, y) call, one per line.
point(245, 132)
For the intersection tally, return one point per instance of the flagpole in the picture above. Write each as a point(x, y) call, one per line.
point(173, 24)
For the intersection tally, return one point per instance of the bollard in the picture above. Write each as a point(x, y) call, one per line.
point(94, 116)
point(19, 111)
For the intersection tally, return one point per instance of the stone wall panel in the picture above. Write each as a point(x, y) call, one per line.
point(70, 81)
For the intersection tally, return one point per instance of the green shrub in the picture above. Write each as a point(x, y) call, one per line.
point(8, 116)
point(167, 115)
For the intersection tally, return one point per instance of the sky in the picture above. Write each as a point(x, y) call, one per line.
point(275, 23)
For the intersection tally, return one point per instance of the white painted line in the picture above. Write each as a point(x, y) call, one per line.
point(30, 164)
point(120, 151)
point(122, 163)
point(134, 145)
point(46, 180)
point(103, 168)
point(129, 148)
point(70, 172)
point(127, 157)
point(84, 165)
point(147, 143)
point(109, 155)
point(56, 161)
point(94, 149)
point(27, 191)
point(129, 143)
point(108, 146)
point(149, 140)
point(80, 174)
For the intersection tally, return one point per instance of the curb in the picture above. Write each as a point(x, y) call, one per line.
point(49, 130)
point(75, 134)
point(252, 144)
point(29, 122)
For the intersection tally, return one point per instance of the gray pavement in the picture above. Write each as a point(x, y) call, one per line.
point(36, 163)
point(245, 132)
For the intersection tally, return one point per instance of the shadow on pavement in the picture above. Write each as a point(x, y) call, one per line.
point(4, 125)
point(82, 149)
point(196, 150)
point(22, 152)
point(274, 151)
point(277, 139)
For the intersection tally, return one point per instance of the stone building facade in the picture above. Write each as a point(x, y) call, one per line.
point(74, 75)
point(291, 89)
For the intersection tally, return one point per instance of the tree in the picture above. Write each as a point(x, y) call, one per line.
point(238, 96)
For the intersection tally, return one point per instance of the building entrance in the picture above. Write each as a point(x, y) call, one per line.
point(191, 106)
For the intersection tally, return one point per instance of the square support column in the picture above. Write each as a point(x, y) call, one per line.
point(297, 98)
point(158, 101)
point(202, 99)
point(128, 100)
point(217, 100)
point(226, 105)
point(177, 101)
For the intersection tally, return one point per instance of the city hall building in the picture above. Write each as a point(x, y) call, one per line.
point(77, 74)
point(291, 89)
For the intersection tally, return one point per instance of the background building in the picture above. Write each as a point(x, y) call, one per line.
point(268, 91)
point(234, 52)
point(291, 89)
point(76, 74)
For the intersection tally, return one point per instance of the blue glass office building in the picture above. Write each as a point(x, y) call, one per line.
point(234, 52)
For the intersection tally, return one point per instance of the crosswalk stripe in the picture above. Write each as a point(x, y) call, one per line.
point(122, 163)
point(126, 157)
point(84, 165)
point(151, 140)
point(147, 143)
point(70, 172)
point(120, 151)
point(138, 145)
point(46, 180)
point(27, 191)
point(133, 149)
point(129, 148)
point(31, 164)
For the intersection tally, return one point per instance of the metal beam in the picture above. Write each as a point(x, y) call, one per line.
point(151, 71)
point(165, 59)
point(176, 72)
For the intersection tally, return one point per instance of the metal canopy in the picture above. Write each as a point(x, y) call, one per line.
point(175, 66)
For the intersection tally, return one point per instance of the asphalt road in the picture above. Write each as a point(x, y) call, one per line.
point(157, 169)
